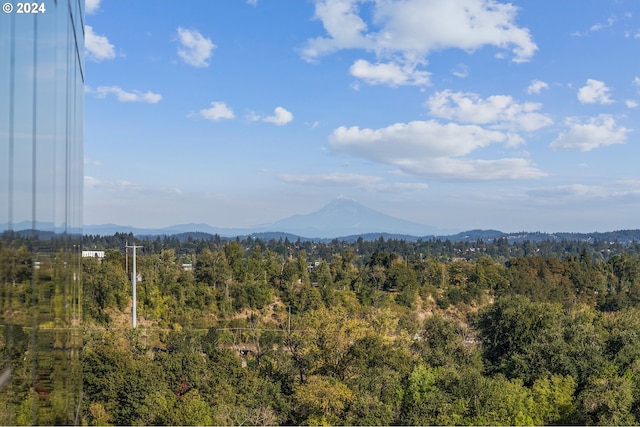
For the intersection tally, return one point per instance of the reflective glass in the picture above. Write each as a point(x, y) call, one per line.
point(41, 178)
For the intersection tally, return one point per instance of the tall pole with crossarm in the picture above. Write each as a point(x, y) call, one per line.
point(134, 279)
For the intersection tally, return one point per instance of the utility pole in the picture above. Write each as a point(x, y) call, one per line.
point(134, 279)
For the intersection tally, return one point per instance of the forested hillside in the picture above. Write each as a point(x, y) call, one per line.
point(252, 332)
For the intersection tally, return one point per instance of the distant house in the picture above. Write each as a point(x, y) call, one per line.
point(312, 265)
point(93, 254)
point(187, 267)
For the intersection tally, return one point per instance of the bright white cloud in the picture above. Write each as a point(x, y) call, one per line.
point(391, 73)
point(341, 21)
point(195, 49)
point(597, 132)
point(420, 26)
point(124, 96)
point(280, 117)
point(414, 28)
point(428, 148)
point(536, 86)
point(630, 103)
point(501, 111)
point(594, 92)
point(414, 140)
point(97, 47)
point(91, 6)
point(217, 111)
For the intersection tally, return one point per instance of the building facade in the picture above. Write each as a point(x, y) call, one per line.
point(41, 181)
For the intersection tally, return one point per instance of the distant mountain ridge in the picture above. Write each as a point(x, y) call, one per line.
point(346, 219)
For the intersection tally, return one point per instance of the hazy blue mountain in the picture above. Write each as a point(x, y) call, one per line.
point(203, 228)
point(110, 229)
point(346, 217)
point(43, 228)
point(341, 217)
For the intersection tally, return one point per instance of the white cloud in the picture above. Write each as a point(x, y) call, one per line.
point(401, 187)
point(501, 111)
point(90, 181)
point(420, 26)
point(627, 196)
point(569, 191)
point(582, 192)
point(536, 86)
point(125, 188)
point(388, 73)
point(594, 92)
point(418, 140)
point(88, 161)
point(602, 200)
point(121, 186)
point(600, 26)
point(341, 21)
point(596, 132)
point(195, 49)
point(475, 169)
point(596, 27)
point(252, 2)
point(124, 96)
point(366, 182)
point(629, 182)
point(217, 111)
point(636, 81)
point(428, 148)
point(630, 103)
point(91, 6)
point(280, 117)
point(97, 47)
point(341, 179)
point(414, 28)
point(252, 116)
point(461, 71)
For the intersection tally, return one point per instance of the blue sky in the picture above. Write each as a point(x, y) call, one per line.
point(458, 114)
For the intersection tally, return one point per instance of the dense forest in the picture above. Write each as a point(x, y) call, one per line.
point(383, 332)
